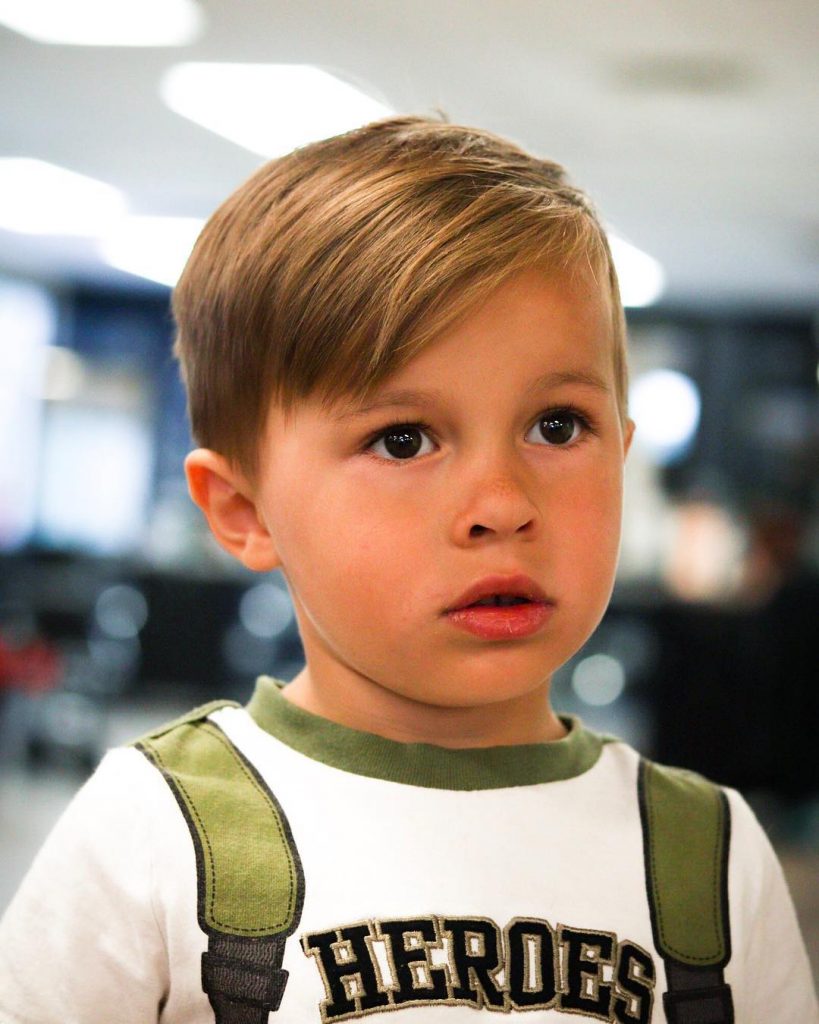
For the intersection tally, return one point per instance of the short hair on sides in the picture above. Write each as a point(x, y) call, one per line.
point(331, 267)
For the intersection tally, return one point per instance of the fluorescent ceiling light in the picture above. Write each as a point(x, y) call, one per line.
point(641, 277)
point(105, 22)
point(268, 108)
point(156, 248)
point(38, 198)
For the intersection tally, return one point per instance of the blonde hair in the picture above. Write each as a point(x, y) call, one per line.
point(331, 267)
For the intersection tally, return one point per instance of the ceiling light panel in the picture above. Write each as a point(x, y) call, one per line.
point(155, 248)
point(39, 198)
point(269, 109)
point(105, 22)
point(640, 276)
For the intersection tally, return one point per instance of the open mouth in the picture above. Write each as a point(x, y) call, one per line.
point(517, 591)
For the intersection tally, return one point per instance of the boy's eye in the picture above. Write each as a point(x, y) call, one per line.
point(402, 441)
point(560, 427)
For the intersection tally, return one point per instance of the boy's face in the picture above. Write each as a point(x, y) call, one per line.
point(378, 536)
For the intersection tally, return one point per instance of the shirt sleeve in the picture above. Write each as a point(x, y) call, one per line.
point(769, 972)
point(80, 942)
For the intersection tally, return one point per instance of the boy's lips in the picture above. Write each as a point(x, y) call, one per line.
point(490, 586)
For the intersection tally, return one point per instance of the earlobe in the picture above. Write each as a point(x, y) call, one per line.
point(227, 502)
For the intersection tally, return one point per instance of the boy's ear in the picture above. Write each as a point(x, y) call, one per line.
point(227, 501)
point(628, 436)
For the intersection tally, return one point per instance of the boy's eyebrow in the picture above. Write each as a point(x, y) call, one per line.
point(551, 379)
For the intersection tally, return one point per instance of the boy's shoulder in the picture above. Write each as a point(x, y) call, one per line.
point(219, 792)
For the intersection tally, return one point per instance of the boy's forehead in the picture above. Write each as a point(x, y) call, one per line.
point(566, 318)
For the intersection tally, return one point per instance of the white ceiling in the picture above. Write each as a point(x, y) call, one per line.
point(694, 124)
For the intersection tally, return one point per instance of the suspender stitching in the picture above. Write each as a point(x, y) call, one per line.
point(715, 894)
point(201, 830)
point(217, 735)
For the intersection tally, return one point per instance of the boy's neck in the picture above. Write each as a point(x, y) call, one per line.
point(361, 703)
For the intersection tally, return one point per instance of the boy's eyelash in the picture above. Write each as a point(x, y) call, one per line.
point(586, 424)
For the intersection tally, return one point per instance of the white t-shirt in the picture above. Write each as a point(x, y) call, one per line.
point(445, 880)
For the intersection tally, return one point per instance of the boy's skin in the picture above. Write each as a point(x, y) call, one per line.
point(375, 548)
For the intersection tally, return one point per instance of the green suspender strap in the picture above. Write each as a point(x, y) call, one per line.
point(250, 879)
point(686, 832)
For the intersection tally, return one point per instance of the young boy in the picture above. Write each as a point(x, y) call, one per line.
point(405, 356)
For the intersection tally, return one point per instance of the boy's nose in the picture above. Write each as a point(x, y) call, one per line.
point(500, 506)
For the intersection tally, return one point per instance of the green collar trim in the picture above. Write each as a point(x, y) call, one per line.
point(422, 764)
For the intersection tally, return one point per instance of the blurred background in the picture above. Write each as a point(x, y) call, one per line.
point(693, 127)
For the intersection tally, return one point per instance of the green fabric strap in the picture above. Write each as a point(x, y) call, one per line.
point(239, 831)
point(686, 833)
